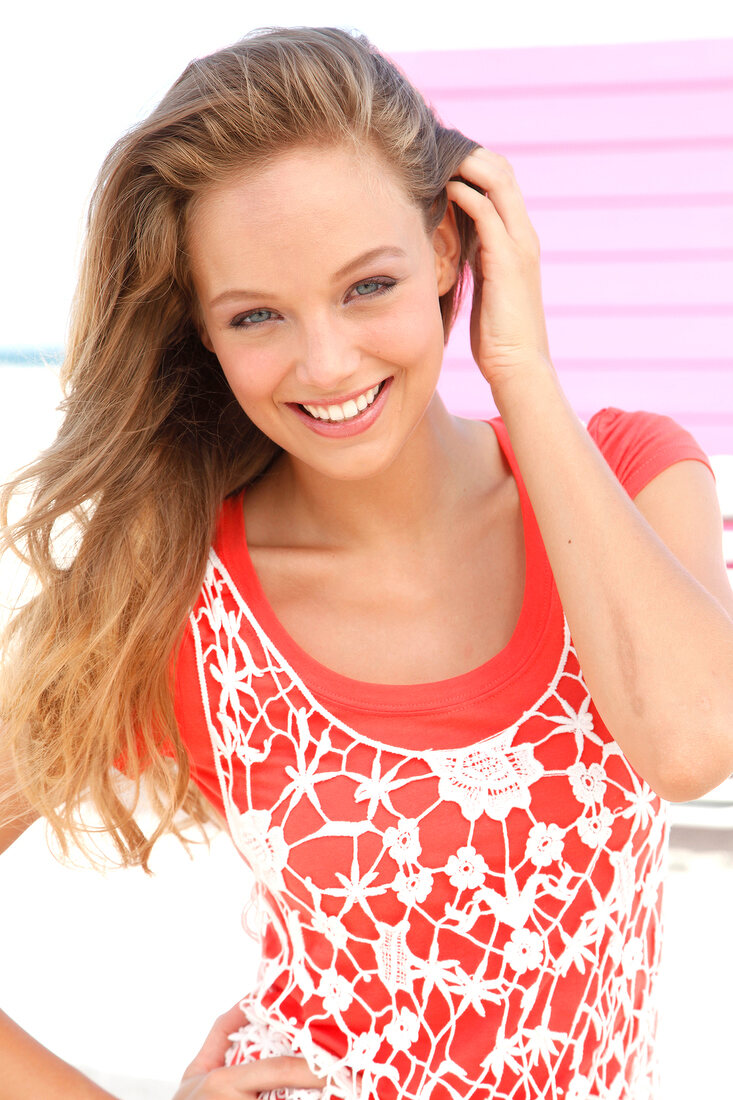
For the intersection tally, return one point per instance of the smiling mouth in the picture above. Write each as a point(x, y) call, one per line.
point(349, 410)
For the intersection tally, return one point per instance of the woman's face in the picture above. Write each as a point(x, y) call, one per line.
point(318, 289)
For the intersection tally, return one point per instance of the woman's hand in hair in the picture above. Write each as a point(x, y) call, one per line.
point(207, 1078)
point(508, 330)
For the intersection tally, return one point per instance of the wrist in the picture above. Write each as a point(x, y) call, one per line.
point(536, 380)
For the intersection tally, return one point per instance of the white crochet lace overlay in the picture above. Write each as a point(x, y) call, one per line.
point(481, 921)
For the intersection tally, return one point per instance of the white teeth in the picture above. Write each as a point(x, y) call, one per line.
point(347, 411)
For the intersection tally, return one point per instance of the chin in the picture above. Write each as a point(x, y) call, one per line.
point(354, 470)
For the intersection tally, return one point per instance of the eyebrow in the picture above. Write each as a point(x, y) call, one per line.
point(381, 251)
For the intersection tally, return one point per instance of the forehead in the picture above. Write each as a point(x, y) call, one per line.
point(325, 200)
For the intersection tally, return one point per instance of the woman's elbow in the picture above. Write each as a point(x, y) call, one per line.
point(694, 778)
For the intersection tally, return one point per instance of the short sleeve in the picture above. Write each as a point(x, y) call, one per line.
point(639, 445)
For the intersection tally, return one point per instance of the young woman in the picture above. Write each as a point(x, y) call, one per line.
point(439, 676)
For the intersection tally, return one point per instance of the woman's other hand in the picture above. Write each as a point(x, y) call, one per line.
point(207, 1078)
point(508, 329)
point(216, 1043)
point(246, 1082)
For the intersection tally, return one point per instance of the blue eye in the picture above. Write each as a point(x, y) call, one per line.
point(381, 284)
point(257, 317)
point(245, 320)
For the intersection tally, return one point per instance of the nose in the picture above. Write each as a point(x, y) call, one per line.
point(327, 359)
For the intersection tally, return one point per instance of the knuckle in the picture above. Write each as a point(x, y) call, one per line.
point(528, 248)
point(529, 264)
point(216, 1080)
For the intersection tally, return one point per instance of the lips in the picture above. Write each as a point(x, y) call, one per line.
point(352, 425)
point(347, 409)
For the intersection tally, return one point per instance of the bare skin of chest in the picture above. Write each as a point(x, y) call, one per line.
point(425, 611)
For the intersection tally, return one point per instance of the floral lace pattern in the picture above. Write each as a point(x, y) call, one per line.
point(480, 921)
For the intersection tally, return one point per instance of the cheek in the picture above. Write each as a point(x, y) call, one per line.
point(252, 375)
point(414, 333)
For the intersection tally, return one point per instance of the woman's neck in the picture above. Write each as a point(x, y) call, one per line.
point(433, 472)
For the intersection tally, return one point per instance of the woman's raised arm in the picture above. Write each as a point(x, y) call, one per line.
point(643, 586)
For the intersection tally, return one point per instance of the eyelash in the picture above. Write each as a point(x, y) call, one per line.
point(384, 284)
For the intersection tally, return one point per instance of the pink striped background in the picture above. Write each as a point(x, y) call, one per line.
point(624, 154)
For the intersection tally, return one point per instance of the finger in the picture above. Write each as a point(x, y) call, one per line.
point(216, 1043)
point(477, 206)
point(495, 175)
point(263, 1074)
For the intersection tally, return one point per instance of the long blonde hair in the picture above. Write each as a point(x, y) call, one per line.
point(152, 439)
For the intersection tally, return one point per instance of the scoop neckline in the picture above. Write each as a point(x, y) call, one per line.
point(509, 664)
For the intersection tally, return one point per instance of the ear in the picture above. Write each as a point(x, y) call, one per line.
point(201, 329)
point(197, 318)
point(447, 248)
point(205, 338)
